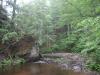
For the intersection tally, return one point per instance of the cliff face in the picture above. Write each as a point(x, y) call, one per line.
point(26, 49)
point(25, 45)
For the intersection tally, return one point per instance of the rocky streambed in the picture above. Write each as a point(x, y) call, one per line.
point(68, 61)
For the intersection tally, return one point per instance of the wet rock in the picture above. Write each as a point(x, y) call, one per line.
point(77, 68)
point(64, 66)
point(41, 62)
point(69, 61)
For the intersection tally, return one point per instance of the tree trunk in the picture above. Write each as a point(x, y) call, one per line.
point(14, 10)
point(2, 3)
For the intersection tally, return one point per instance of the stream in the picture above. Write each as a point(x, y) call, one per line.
point(38, 69)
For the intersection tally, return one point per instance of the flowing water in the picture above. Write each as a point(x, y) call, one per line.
point(39, 69)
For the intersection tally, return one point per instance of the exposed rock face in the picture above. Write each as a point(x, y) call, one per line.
point(26, 49)
point(34, 52)
point(24, 46)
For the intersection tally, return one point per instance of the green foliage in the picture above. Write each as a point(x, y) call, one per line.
point(88, 42)
point(89, 32)
point(10, 62)
point(97, 55)
point(35, 20)
point(85, 28)
point(63, 44)
point(11, 36)
point(41, 20)
point(94, 66)
point(6, 62)
point(66, 43)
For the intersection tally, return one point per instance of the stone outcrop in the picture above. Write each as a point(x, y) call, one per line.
point(70, 61)
point(24, 48)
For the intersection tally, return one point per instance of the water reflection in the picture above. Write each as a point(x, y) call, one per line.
point(39, 69)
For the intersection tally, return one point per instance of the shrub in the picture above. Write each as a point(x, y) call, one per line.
point(94, 66)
